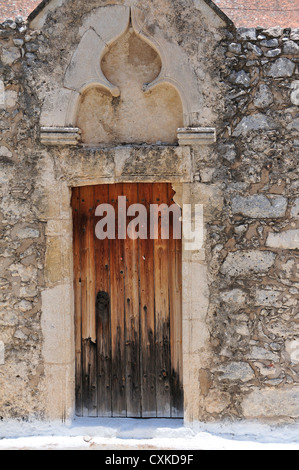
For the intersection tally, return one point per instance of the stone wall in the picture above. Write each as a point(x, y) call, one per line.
point(254, 241)
point(22, 241)
point(248, 183)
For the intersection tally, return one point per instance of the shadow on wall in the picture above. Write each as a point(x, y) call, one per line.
point(134, 116)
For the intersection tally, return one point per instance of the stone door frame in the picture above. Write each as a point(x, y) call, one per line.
point(58, 295)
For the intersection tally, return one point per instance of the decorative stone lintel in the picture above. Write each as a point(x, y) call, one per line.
point(60, 135)
point(197, 136)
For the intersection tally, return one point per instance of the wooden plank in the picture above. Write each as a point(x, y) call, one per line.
point(89, 354)
point(104, 354)
point(102, 261)
point(117, 270)
point(147, 313)
point(102, 247)
point(175, 297)
point(87, 237)
point(132, 315)
point(88, 301)
point(160, 196)
point(77, 298)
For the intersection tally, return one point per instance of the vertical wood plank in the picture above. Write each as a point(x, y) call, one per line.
point(175, 298)
point(147, 312)
point(87, 237)
point(160, 196)
point(102, 261)
point(117, 314)
point(132, 316)
point(87, 228)
point(77, 299)
point(103, 354)
point(102, 247)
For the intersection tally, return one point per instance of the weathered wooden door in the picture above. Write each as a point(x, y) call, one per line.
point(128, 310)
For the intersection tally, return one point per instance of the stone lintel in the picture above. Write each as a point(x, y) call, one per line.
point(197, 136)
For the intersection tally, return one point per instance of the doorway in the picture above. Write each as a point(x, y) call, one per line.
point(128, 307)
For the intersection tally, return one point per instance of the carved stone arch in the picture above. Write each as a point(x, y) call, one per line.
point(96, 41)
point(99, 30)
point(135, 117)
point(85, 70)
point(176, 69)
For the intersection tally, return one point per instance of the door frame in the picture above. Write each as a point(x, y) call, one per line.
point(153, 388)
point(58, 294)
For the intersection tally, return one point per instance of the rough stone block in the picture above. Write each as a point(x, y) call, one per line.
point(25, 273)
point(8, 318)
point(290, 47)
point(294, 125)
point(294, 34)
point(292, 348)
point(272, 403)
point(235, 48)
point(295, 93)
point(28, 291)
point(281, 68)
point(244, 263)
point(10, 56)
point(263, 97)
point(27, 232)
point(288, 240)
point(274, 32)
point(270, 43)
point(257, 122)
point(267, 298)
point(217, 402)
point(11, 98)
point(235, 297)
point(241, 78)
point(24, 306)
point(260, 207)
point(273, 53)
point(295, 209)
point(5, 152)
point(236, 371)
point(262, 355)
point(247, 34)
